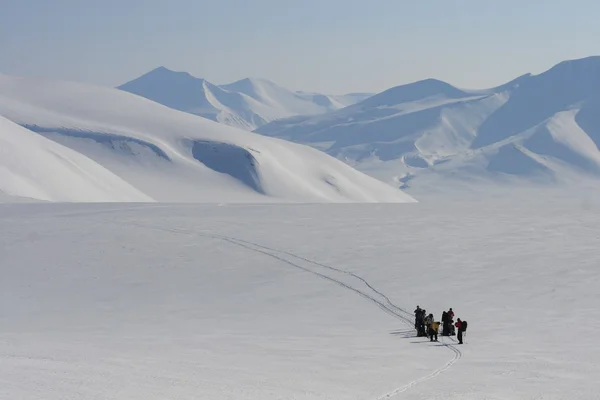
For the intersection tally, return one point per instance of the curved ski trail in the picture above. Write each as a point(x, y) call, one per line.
point(391, 308)
point(371, 294)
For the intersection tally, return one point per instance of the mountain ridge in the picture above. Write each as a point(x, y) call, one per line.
point(247, 103)
point(431, 128)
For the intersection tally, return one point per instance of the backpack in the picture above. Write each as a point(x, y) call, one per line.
point(444, 316)
point(463, 326)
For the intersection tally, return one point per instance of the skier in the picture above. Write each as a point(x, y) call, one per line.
point(459, 328)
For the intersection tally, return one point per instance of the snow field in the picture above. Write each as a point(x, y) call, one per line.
point(247, 302)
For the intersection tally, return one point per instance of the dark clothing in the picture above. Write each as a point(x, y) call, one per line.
point(417, 318)
point(421, 329)
point(420, 322)
point(460, 331)
point(446, 327)
point(433, 335)
point(447, 322)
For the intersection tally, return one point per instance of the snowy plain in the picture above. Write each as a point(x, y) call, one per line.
point(161, 301)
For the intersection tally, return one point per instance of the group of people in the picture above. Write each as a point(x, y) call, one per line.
point(426, 325)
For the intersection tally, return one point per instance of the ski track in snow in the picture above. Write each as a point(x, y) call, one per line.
point(384, 304)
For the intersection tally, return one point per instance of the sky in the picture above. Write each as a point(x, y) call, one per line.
point(330, 46)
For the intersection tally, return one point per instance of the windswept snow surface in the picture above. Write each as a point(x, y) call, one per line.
point(143, 302)
point(32, 166)
point(173, 156)
point(246, 104)
point(535, 129)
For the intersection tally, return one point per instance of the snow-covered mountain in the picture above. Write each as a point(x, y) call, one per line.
point(544, 127)
point(110, 145)
point(247, 104)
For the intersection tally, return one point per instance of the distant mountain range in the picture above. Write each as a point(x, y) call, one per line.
point(246, 104)
point(544, 128)
point(65, 141)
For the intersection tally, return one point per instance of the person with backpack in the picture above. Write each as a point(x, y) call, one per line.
point(417, 317)
point(433, 331)
point(428, 322)
point(450, 323)
point(445, 328)
point(461, 326)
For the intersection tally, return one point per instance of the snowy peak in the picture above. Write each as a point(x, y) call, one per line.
point(540, 97)
point(248, 103)
point(253, 87)
point(184, 92)
point(162, 76)
point(414, 92)
point(286, 102)
point(582, 68)
point(512, 85)
point(177, 90)
point(165, 73)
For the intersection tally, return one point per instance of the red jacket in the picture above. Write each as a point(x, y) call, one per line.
point(458, 325)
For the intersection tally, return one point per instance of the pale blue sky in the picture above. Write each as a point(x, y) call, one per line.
point(332, 46)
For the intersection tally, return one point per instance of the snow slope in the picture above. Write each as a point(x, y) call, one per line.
point(247, 104)
point(428, 133)
point(32, 166)
point(131, 302)
point(174, 156)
